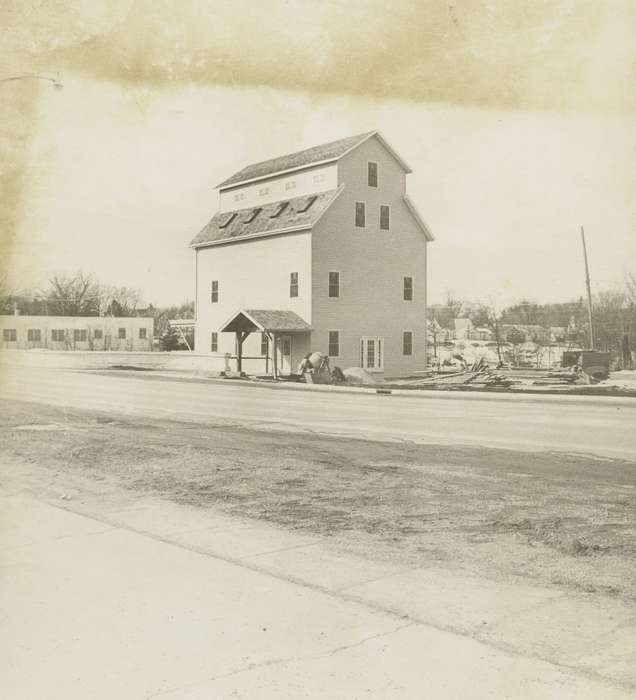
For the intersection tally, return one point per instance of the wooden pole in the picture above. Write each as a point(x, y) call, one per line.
point(589, 289)
point(274, 355)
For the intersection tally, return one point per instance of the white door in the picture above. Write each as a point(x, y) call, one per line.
point(285, 349)
point(372, 353)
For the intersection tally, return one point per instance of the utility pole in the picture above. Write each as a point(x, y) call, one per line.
point(589, 290)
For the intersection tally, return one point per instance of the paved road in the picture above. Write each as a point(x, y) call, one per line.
point(598, 426)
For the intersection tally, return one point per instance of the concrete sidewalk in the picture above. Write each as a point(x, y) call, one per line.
point(169, 601)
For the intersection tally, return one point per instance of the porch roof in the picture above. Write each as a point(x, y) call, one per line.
point(266, 321)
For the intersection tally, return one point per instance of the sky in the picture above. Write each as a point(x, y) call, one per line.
point(518, 125)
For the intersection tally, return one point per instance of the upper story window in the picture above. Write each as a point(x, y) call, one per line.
point(360, 214)
point(384, 217)
point(290, 185)
point(334, 284)
point(372, 174)
point(408, 289)
point(407, 343)
point(263, 191)
point(214, 291)
point(239, 196)
point(334, 343)
point(320, 177)
point(293, 284)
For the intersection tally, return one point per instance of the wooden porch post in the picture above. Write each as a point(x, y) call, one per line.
point(240, 337)
point(274, 355)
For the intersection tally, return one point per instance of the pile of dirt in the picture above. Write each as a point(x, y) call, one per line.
point(356, 376)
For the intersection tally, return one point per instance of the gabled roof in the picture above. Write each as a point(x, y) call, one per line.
point(418, 218)
point(325, 153)
point(266, 320)
point(301, 213)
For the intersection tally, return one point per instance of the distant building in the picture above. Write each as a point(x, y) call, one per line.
point(76, 332)
point(317, 250)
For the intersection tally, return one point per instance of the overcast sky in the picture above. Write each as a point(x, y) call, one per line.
point(518, 124)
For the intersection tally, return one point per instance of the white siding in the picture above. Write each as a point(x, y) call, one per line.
point(252, 274)
point(297, 184)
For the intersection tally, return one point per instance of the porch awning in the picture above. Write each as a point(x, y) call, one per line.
point(266, 321)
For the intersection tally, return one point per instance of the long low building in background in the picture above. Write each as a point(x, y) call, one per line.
point(77, 332)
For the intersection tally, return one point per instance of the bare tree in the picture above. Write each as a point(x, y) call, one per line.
point(454, 305)
point(120, 301)
point(73, 295)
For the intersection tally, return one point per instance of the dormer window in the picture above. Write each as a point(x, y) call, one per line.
point(279, 210)
point(252, 215)
point(304, 206)
point(372, 174)
point(228, 220)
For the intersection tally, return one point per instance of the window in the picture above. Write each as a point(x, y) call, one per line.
point(262, 192)
point(143, 333)
point(239, 196)
point(293, 284)
point(306, 203)
point(384, 217)
point(252, 215)
point(372, 172)
point(79, 335)
point(334, 284)
point(320, 177)
point(10, 335)
point(264, 344)
point(214, 292)
point(214, 341)
point(98, 334)
point(57, 335)
point(334, 343)
point(228, 220)
point(121, 334)
point(291, 185)
point(34, 335)
point(279, 210)
point(407, 343)
point(408, 289)
point(371, 353)
point(360, 217)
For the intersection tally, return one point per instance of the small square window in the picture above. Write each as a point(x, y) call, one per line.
point(57, 335)
point(263, 191)
point(408, 289)
point(293, 284)
point(98, 334)
point(407, 343)
point(334, 284)
point(214, 292)
point(264, 344)
point(9, 335)
point(79, 335)
point(360, 215)
point(121, 334)
point(334, 343)
point(239, 196)
point(384, 217)
point(34, 335)
point(143, 333)
point(214, 341)
point(372, 172)
point(320, 177)
point(291, 185)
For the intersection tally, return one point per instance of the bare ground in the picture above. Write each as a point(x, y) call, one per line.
point(566, 520)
